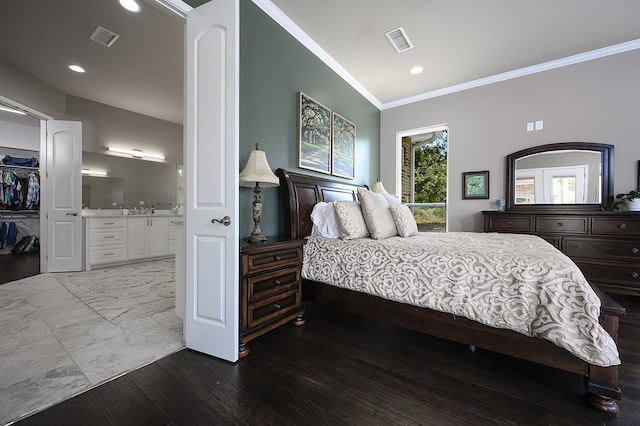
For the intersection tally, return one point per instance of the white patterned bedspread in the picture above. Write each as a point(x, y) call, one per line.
point(513, 281)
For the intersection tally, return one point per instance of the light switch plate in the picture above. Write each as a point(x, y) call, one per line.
point(539, 125)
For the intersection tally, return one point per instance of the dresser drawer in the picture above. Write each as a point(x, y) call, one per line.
point(104, 237)
point(510, 223)
point(269, 284)
point(615, 249)
point(611, 273)
point(615, 226)
point(273, 260)
point(272, 308)
point(99, 255)
point(561, 224)
point(118, 222)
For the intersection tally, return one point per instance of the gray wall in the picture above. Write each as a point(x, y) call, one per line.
point(595, 101)
point(274, 67)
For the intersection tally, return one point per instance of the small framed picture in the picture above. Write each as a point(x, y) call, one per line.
point(475, 185)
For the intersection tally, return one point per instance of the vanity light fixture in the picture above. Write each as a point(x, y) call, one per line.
point(15, 111)
point(136, 153)
point(93, 172)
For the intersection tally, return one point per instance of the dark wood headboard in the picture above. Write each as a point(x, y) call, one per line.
point(299, 193)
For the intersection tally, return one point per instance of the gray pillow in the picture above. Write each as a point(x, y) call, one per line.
point(404, 220)
point(352, 225)
point(377, 215)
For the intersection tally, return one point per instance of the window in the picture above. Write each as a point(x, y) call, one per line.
point(424, 178)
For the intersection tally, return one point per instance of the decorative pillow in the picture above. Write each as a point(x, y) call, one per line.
point(392, 199)
point(405, 222)
point(352, 225)
point(377, 216)
point(325, 222)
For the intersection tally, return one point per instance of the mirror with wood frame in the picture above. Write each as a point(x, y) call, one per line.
point(560, 176)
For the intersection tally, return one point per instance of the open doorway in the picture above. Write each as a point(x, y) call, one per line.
point(424, 176)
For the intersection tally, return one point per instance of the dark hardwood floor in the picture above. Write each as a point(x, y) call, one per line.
point(338, 369)
point(17, 266)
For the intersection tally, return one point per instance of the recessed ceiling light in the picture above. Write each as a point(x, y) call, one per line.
point(76, 68)
point(130, 5)
point(416, 70)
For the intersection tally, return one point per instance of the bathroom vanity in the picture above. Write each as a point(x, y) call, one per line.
point(113, 238)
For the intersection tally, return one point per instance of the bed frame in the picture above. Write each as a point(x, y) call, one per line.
point(299, 193)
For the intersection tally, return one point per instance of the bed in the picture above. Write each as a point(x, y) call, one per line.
point(300, 193)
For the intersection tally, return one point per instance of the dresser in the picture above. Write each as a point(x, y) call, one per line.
point(270, 287)
point(604, 245)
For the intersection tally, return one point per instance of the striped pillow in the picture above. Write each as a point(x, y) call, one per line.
point(377, 215)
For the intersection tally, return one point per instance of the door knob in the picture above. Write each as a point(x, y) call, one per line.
point(226, 221)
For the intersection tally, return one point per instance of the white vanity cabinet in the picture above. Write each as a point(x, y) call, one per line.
point(148, 237)
point(106, 241)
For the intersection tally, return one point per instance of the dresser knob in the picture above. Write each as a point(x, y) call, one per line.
point(278, 282)
point(277, 306)
point(277, 258)
point(622, 226)
point(509, 222)
point(576, 247)
point(559, 223)
point(635, 250)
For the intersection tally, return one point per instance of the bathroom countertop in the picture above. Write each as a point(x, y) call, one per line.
point(118, 213)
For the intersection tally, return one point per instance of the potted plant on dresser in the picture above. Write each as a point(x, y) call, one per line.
point(631, 199)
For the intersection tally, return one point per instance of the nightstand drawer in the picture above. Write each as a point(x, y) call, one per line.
point(559, 224)
point(602, 249)
point(271, 308)
point(269, 284)
point(272, 260)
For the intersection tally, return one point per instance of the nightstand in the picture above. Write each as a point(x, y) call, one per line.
point(270, 287)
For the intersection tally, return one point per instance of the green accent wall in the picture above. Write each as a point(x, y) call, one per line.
point(274, 67)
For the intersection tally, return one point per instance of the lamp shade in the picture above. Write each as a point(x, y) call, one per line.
point(257, 170)
point(379, 188)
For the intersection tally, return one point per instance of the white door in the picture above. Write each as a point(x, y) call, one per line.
point(63, 196)
point(211, 156)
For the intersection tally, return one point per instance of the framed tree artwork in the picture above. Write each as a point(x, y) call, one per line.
point(343, 153)
point(475, 185)
point(314, 135)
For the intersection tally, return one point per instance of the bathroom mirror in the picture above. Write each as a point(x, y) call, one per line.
point(130, 183)
point(570, 175)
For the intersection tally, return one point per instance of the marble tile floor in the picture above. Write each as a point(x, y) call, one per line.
point(64, 333)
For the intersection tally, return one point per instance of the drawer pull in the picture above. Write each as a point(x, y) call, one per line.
point(560, 224)
point(108, 223)
point(576, 247)
point(634, 275)
point(109, 254)
point(509, 222)
point(278, 282)
point(635, 250)
point(622, 226)
point(108, 236)
point(278, 258)
point(277, 306)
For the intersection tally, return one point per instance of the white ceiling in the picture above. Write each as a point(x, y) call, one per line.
point(456, 41)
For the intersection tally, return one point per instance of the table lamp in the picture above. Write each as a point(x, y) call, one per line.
point(257, 172)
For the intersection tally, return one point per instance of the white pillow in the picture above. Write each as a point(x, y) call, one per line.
point(377, 215)
point(404, 220)
point(392, 199)
point(325, 222)
point(352, 225)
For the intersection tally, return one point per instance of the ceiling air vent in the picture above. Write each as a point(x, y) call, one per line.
point(398, 39)
point(104, 36)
